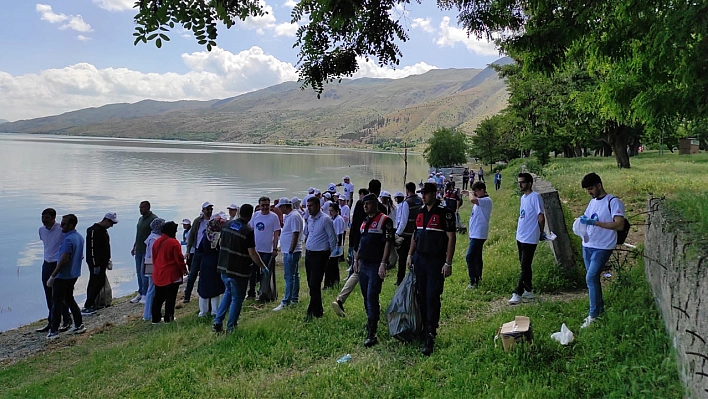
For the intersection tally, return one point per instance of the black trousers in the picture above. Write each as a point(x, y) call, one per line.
point(47, 269)
point(429, 283)
point(193, 273)
point(63, 297)
point(403, 257)
point(95, 285)
point(168, 296)
point(331, 275)
point(526, 253)
point(315, 263)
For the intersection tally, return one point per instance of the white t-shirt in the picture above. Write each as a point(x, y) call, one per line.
point(346, 215)
point(348, 189)
point(292, 222)
point(52, 239)
point(339, 226)
point(599, 210)
point(527, 231)
point(264, 226)
point(479, 219)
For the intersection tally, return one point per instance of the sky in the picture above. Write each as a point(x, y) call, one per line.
point(58, 56)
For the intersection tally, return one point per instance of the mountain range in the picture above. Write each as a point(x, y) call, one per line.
point(351, 112)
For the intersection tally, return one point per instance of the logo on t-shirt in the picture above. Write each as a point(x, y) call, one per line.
point(595, 216)
point(260, 226)
point(523, 214)
point(236, 225)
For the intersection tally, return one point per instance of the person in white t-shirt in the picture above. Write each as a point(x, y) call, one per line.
point(478, 231)
point(603, 217)
point(348, 189)
point(51, 235)
point(291, 245)
point(532, 220)
point(266, 228)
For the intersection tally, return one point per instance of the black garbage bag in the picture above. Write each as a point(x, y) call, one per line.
point(269, 290)
point(403, 314)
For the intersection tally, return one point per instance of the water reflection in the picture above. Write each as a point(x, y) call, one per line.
point(91, 176)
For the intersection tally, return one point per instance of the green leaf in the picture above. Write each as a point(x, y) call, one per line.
point(158, 43)
point(164, 37)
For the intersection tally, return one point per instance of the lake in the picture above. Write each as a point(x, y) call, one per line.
point(91, 176)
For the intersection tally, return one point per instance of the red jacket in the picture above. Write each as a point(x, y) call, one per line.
point(168, 261)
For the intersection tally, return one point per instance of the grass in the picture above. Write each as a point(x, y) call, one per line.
point(627, 353)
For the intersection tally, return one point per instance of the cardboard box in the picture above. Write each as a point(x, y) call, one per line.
point(516, 331)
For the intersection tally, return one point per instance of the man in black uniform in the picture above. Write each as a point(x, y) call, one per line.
point(408, 211)
point(371, 261)
point(430, 255)
point(98, 255)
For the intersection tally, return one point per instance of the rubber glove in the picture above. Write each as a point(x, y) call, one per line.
point(587, 221)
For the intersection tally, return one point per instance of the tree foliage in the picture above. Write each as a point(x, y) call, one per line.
point(447, 147)
point(495, 139)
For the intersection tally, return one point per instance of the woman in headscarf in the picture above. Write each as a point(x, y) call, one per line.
point(155, 233)
point(211, 286)
point(168, 270)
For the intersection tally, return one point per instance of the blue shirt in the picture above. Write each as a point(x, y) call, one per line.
point(320, 234)
point(73, 245)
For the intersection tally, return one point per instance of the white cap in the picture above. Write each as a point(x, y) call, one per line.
point(295, 200)
point(207, 204)
point(385, 194)
point(284, 201)
point(398, 194)
point(316, 192)
point(327, 195)
point(311, 190)
point(332, 187)
point(342, 197)
point(186, 221)
point(112, 217)
point(346, 177)
point(232, 206)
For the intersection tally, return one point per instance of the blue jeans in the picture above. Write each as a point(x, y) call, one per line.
point(140, 272)
point(292, 277)
point(474, 260)
point(595, 260)
point(149, 295)
point(370, 284)
point(233, 299)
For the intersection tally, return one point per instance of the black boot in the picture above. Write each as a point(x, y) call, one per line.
point(371, 339)
point(429, 345)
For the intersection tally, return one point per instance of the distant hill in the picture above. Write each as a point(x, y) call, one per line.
point(352, 112)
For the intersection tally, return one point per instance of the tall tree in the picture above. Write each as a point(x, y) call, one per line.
point(447, 147)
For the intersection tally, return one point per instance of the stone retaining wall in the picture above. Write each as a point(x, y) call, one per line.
point(676, 268)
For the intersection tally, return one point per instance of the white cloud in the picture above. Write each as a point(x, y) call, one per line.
point(73, 22)
point(286, 29)
point(423, 24)
point(115, 5)
point(266, 21)
point(290, 3)
point(398, 11)
point(369, 69)
point(215, 74)
point(450, 35)
point(83, 38)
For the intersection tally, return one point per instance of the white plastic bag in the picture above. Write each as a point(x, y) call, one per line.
point(564, 336)
point(581, 230)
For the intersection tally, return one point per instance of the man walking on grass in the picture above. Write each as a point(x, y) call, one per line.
point(51, 235)
point(291, 245)
point(320, 242)
point(138, 251)
point(532, 220)
point(98, 255)
point(266, 227)
point(604, 217)
point(478, 231)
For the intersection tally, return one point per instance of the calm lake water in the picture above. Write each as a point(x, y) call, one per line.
point(91, 176)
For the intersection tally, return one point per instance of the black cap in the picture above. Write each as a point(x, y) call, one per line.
point(369, 197)
point(428, 188)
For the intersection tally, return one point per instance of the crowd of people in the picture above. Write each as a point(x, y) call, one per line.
point(230, 256)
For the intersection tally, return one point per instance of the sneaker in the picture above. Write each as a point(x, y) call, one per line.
point(43, 329)
point(280, 307)
point(217, 328)
point(338, 308)
point(87, 311)
point(78, 330)
point(515, 299)
point(65, 327)
point(142, 301)
point(136, 299)
point(588, 320)
point(52, 335)
point(528, 295)
point(471, 286)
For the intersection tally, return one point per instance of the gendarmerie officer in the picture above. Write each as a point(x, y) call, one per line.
point(430, 255)
point(371, 260)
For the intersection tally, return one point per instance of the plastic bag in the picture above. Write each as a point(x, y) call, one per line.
point(581, 230)
point(269, 290)
point(564, 336)
point(403, 314)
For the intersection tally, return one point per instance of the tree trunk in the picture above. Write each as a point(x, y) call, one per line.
point(617, 136)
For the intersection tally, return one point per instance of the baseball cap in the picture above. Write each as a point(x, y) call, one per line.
point(327, 195)
point(398, 194)
point(112, 217)
point(284, 201)
point(332, 187)
point(316, 192)
point(385, 194)
point(342, 198)
point(346, 177)
point(186, 221)
point(311, 190)
point(295, 200)
point(428, 188)
point(232, 206)
point(207, 204)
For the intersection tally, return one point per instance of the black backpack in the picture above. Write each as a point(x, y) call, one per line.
point(621, 234)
